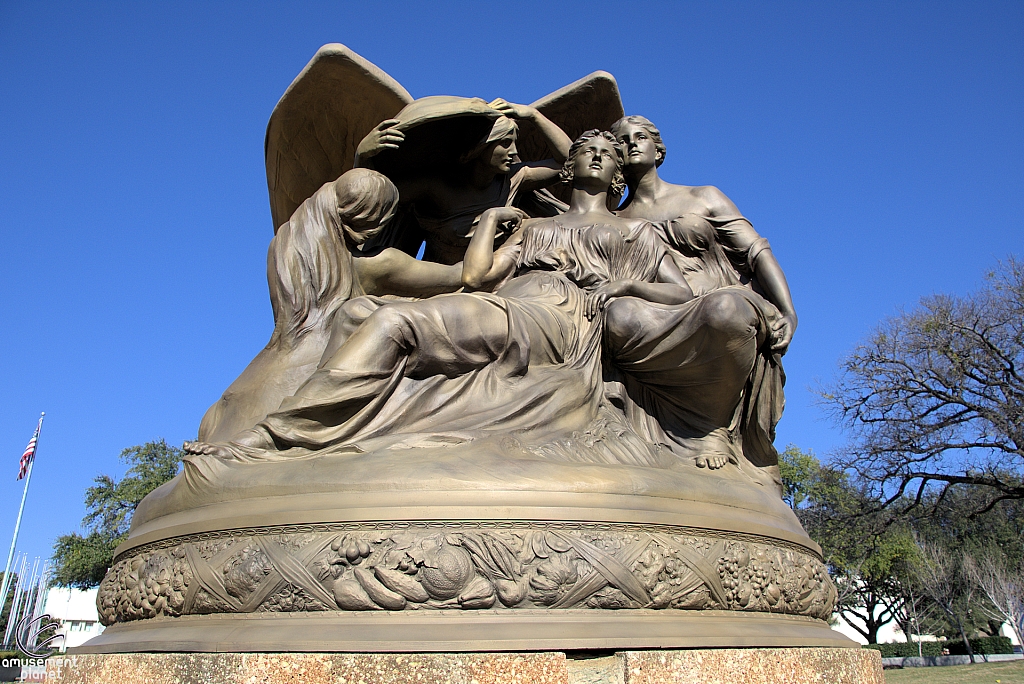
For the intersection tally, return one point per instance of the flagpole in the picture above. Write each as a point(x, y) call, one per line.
point(12, 618)
point(17, 525)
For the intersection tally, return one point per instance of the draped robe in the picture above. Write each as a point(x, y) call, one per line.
point(523, 360)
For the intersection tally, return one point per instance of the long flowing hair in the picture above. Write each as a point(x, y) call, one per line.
point(309, 265)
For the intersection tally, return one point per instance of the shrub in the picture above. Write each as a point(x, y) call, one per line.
point(982, 646)
point(901, 649)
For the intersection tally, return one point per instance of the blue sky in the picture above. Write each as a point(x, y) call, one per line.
point(878, 146)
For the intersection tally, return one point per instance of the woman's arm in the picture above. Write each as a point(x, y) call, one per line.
point(740, 235)
point(481, 266)
point(539, 174)
point(769, 274)
point(671, 288)
point(556, 138)
point(395, 272)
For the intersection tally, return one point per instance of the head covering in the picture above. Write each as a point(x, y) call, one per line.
point(366, 202)
point(439, 132)
point(501, 128)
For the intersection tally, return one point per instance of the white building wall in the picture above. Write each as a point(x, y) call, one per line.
point(892, 633)
point(888, 632)
point(75, 609)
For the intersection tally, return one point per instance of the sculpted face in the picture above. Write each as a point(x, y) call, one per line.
point(637, 145)
point(596, 160)
point(499, 155)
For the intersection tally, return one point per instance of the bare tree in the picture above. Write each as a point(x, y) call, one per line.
point(1003, 587)
point(935, 397)
point(940, 576)
point(907, 604)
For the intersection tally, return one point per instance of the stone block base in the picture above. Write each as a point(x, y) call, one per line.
point(707, 666)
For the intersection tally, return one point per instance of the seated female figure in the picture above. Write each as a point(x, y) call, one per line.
point(315, 266)
point(704, 379)
point(523, 357)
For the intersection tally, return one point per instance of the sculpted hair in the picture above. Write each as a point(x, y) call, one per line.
point(618, 186)
point(309, 264)
point(652, 130)
point(503, 125)
point(366, 202)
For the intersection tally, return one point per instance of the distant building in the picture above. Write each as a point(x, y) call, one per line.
point(890, 632)
point(76, 611)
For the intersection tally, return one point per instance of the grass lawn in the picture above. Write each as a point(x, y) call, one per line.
point(1011, 672)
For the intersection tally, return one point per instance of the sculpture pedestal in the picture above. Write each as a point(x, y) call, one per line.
point(749, 666)
point(479, 552)
point(449, 631)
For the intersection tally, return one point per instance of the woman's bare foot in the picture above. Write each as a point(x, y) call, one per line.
point(712, 462)
point(252, 439)
point(205, 449)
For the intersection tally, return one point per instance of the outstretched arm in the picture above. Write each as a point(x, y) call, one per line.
point(395, 272)
point(539, 174)
point(764, 266)
point(557, 140)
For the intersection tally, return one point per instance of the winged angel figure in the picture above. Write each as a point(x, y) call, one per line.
point(342, 235)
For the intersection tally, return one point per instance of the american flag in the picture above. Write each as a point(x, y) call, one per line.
point(30, 451)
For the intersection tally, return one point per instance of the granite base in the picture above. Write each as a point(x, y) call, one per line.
point(707, 666)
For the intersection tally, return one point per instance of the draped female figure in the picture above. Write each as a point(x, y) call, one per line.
point(521, 354)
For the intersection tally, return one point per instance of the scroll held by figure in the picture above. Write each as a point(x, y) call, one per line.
point(512, 370)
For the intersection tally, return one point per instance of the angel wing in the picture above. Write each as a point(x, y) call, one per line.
point(339, 97)
point(591, 102)
point(317, 124)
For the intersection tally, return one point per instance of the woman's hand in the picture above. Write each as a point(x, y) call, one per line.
point(384, 137)
point(599, 296)
point(513, 111)
point(506, 219)
point(504, 214)
point(478, 266)
point(782, 333)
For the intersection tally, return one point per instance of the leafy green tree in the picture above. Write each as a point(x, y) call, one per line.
point(801, 475)
point(934, 399)
point(865, 555)
point(82, 561)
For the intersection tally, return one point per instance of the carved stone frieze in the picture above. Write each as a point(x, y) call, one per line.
point(466, 566)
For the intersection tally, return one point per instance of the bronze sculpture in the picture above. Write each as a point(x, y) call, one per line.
point(553, 279)
point(572, 450)
point(315, 266)
point(655, 200)
point(462, 171)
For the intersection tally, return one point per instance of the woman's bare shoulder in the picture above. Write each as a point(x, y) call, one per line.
point(715, 200)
